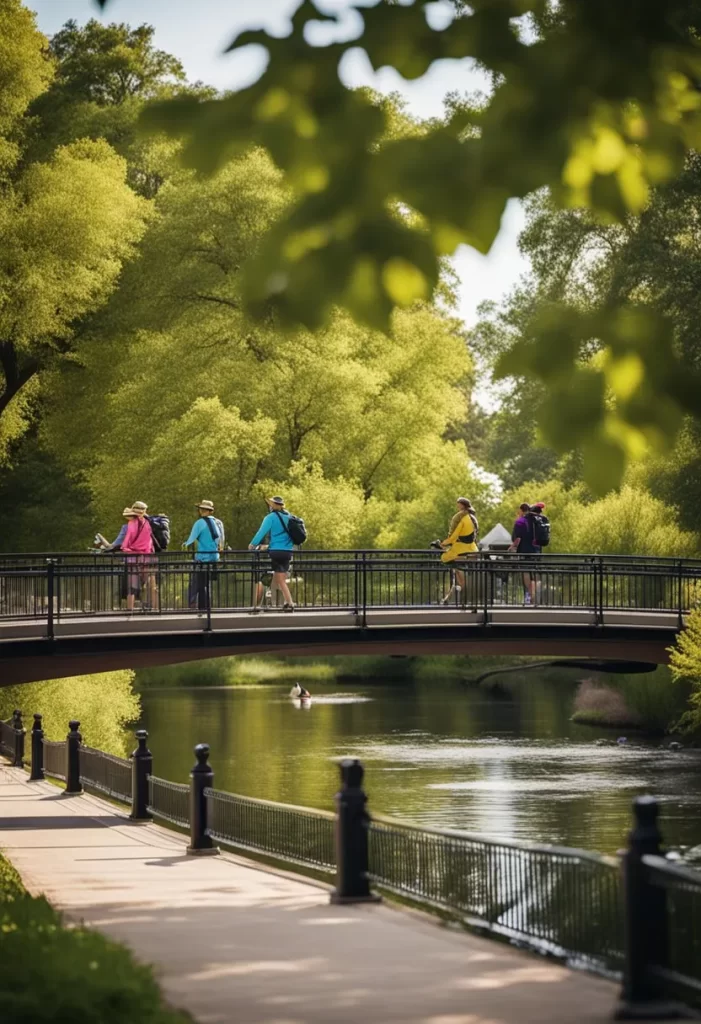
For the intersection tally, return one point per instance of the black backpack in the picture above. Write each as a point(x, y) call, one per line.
point(294, 528)
point(541, 529)
point(160, 530)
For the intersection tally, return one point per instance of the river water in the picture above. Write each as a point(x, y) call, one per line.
point(507, 764)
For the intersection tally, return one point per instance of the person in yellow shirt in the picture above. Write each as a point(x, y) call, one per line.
point(461, 542)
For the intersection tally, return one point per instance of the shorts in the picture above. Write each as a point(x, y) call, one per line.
point(280, 560)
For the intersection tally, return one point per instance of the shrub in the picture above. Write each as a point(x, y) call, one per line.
point(52, 973)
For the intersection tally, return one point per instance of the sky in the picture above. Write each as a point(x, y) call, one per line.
point(197, 31)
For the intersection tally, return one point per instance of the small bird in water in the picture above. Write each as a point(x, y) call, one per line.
point(299, 691)
point(622, 740)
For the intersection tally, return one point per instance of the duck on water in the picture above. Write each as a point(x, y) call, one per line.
point(299, 692)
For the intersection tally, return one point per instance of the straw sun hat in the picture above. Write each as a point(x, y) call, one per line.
point(206, 506)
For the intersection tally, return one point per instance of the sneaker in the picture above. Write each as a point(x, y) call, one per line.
point(255, 611)
point(288, 607)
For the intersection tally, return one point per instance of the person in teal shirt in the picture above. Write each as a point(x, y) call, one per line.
point(206, 534)
point(280, 548)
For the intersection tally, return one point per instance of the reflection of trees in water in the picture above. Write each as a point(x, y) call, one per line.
point(103, 703)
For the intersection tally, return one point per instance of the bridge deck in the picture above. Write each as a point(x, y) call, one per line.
point(234, 941)
point(375, 618)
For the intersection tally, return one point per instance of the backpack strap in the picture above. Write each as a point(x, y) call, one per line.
point(284, 524)
point(213, 529)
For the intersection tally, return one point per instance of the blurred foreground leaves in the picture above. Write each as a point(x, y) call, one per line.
point(597, 101)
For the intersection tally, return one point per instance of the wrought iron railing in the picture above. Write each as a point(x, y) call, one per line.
point(169, 801)
point(55, 758)
point(64, 586)
point(559, 900)
point(681, 974)
point(109, 774)
point(300, 835)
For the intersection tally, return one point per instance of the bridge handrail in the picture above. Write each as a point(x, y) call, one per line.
point(351, 554)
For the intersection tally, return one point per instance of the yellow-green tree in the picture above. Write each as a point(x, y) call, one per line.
point(103, 703)
point(199, 400)
point(685, 662)
point(67, 225)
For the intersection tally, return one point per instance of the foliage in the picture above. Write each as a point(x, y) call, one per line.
point(642, 700)
point(629, 521)
point(67, 222)
point(346, 417)
point(107, 64)
point(104, 703)
point(685, 663)
point(49, 971)
point(597, 101)
point(24, 74)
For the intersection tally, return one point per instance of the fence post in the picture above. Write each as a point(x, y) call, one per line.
point(50, 593)
point(201, 778)
point(352, 821)
point(37, 773)
point(18, 760)
point(208, 584)
point(141, 768)
point(364, 619)
point(680, 593)
point(645, 919)
point(73, 741)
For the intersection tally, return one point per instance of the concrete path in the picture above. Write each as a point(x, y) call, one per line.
point(234, 942)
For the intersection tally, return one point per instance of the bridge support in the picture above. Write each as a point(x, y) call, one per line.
point(352, 821)
point(201, 778)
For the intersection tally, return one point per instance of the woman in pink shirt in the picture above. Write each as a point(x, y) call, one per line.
point(138, 542)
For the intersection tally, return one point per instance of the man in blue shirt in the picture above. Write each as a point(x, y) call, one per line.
point(280, 548)
point(207, 537)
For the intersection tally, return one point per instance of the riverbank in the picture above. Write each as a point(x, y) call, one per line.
point(242, 671)
point(51, 971)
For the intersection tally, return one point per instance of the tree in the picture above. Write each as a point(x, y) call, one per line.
point(103, 76)
point(104, 703)
point(685, 663)
point(109, 64)
point(597, 101)
point(238, 408)
point(67, 225)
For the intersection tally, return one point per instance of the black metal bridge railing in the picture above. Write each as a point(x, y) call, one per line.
point(62, 587)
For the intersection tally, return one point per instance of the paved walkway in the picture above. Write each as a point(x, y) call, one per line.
point(232, 941)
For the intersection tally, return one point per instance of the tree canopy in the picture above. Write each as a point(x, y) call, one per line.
point(597, 101)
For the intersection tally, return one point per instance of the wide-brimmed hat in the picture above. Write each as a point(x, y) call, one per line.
point(128, 512)
point(277, 500)
point(207, 505)
point(139, 506)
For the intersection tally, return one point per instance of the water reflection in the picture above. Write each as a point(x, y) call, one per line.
point(505, 766)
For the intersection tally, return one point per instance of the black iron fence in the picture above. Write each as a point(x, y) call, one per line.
point(54, 763)
point(65, 586)
point(169, 801)
point(300, 835)
point(105, 772)
point(638, 917)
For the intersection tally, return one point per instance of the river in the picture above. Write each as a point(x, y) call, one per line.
point(504, 763)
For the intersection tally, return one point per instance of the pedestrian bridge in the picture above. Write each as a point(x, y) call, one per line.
point(61, 615)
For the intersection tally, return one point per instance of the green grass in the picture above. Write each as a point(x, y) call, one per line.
point(51, 973)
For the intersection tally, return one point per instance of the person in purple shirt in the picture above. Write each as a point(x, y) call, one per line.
point(523, 541)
